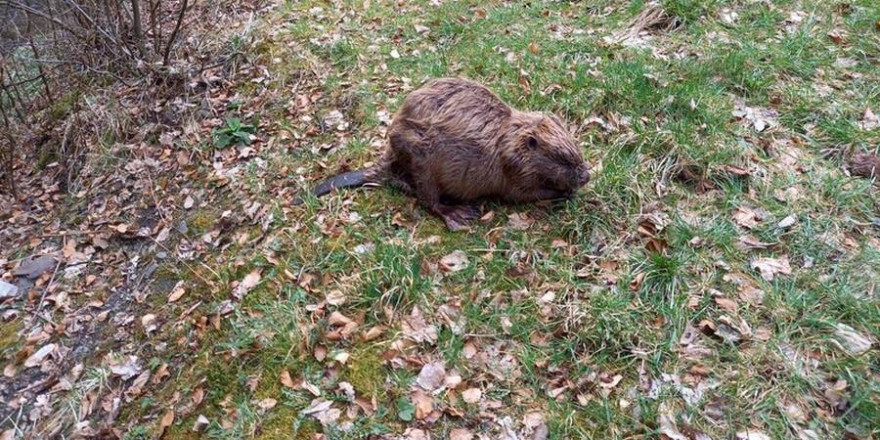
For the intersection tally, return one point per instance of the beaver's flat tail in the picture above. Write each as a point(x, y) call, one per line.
point(351, 179)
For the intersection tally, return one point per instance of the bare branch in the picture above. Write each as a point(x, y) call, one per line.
point(174, 33)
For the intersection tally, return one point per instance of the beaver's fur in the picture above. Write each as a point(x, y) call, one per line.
point(454, 142)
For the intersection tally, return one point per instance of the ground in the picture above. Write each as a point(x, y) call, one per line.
point(717, 278)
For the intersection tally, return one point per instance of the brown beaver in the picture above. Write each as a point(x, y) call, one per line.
point(454, 142)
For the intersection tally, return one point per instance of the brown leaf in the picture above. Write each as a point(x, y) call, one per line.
point(39, 356)
point(454, 262)
point(415, 328)
point(167, 420)
point(424, 404)
point(267, 403)
point(534, 48)
point(747, 242)
point(286, 380)
point(335, 298)
point(248, 283)
point(198, 395)
point(726, 304)
point(838, 36)
point(374, 333)
point(161, 373)
point(636, 283)
point(432, 376)
point(745, 217)
point(865, 165)
point(519, 221)
point(472, 395)
point(460, 434)
point(320, 353)
point(770, 267)
point(177, 292)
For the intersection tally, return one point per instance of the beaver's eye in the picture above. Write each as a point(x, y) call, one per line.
point(532, 142)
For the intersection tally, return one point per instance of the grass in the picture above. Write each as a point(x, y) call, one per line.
point(522, 303)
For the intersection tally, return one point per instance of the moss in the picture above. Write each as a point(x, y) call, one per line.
point(202, 220)
point(9, 339)
point(182, 431)
point(63, 106)
point(222, 378)
point(165, 278)
point(366, 373)
point(269, 386)
point(282, 423)
point(47, 155)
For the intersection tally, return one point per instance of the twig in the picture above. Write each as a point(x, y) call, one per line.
point(174, 33)
point(210, 283)
point(48, 285)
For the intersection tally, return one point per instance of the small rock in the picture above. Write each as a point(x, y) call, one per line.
point(33, 267)
point(7, 291)
point(787, 222)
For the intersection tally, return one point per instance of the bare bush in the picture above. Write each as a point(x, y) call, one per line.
point(100, 35)
point(52, 51)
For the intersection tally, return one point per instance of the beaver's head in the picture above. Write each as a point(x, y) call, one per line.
point(554, 158)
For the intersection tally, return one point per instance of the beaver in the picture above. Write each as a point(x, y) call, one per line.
point(454, 142)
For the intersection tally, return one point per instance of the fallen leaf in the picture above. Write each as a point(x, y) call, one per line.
point(415, 328)
point(126, 369)
point(726, 304)
point(40, 355)
point(454, 262)
point(167, 420)
point(201, 423)
point(286, 380)
point(335, 298)
point(268, 403)
point(248, 283)
point(519, 221)
point(432, 376)
point(850, 340)
point(148, 321)
point(374, 333)
point(423, 403)
point(460, 434)
point(745, 217)
point(612, 382)
point(161, 373)
point(317, 406)
point(472, 395)
point(668, 426)
point(770, 267)
point(752, 435)
point(177, 292)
